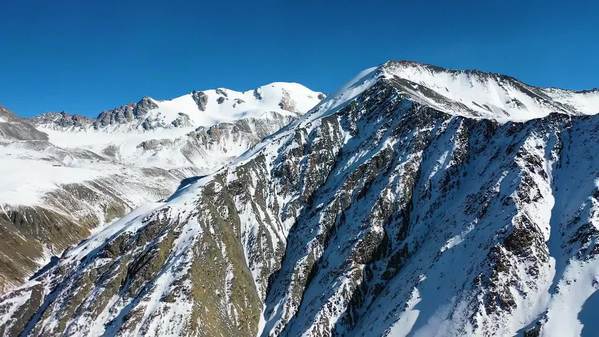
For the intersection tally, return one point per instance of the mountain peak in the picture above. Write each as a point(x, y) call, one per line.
point(198, 108)
point(484, 95)
point(468, 93)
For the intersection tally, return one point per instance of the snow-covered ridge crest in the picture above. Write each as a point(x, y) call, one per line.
point(478, 94)
point(198, 108)
point(467, 93)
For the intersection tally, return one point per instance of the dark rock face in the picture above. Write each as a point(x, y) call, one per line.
point(120, 115)
point(221, 92)
point(201, 99)
point(379, 216)
point(238, 101)
point(286, 102)
point(257, 94)
point(347, 268)
point(13, 128)
point(181, 121)
point(125, 113)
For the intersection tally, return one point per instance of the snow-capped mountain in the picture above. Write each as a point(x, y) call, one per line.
point(416, 201)
point(203, 129)
point(64, 175)
point(198, 108)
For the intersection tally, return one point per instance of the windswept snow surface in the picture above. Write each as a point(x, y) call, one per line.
point(26, 174)
point(30, 171)
point(587, 102)
point(364, 80)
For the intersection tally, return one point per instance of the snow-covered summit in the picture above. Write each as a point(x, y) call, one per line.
point(155, 132)
point(383, 212)
point(479, 94)
point(471, 93)
point(198, 108)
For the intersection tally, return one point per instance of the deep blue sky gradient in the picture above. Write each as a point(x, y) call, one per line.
point(87, 56)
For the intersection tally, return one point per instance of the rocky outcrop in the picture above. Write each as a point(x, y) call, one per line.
point(15, 129)
point(126, 113)
point(62, 120)
point(201, 99)
point(287, 102)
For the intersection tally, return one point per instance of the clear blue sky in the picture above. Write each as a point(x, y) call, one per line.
point(86, 56)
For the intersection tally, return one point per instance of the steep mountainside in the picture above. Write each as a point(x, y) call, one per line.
point(417, 201)
point(57, 188)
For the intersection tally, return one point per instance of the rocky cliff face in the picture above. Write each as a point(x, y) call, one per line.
point(127, 113)
point(393, 208)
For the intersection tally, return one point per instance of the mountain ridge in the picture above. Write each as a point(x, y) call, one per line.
point(478, 71)
point(127, 113)
point(381, 212)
